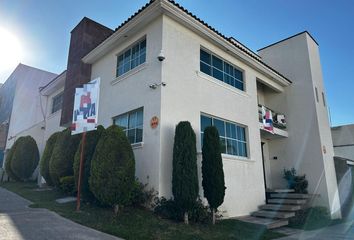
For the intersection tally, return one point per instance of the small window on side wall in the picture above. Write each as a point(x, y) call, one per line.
point(57, 102)
point(323, 99)
point(316, 92)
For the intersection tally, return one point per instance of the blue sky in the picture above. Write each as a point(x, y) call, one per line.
point(43, 29)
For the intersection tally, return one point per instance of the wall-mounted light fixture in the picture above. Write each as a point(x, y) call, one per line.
point(155, 85)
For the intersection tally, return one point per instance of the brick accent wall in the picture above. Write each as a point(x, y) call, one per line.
point(85, 37)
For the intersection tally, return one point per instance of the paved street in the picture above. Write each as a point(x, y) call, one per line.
point(343, 231)
point(19, 222)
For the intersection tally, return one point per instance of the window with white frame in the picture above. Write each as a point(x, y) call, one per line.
point(131, 58)
point(221, 70)
point(132, 125)
point(232, 136)
point(57, 102)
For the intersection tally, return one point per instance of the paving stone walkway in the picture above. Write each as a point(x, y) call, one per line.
point(19, 222)
point(344, 231)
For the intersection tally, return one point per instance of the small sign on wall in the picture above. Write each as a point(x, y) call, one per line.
point(154, 122)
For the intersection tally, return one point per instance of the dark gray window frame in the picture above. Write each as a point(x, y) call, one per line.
point(222, 70)
point(136, 53)
point(225, 136)
point(135, 128)
point(55, 105)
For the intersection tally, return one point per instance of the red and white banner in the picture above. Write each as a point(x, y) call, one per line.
point(85, 112)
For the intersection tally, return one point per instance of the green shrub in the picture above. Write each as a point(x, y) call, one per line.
point(8, 169)
point(113, 169)
point(25, 158)
point(92, 138)
point(62, 159)
point(168, 209)
point(44, 162)
point(296, 182)
point(140, 196)
point(311, 218)
point(212, 169)
point(185, 185)
point(67, 185)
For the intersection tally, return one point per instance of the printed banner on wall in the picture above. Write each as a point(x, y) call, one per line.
point(85, 112)
point(267, 120)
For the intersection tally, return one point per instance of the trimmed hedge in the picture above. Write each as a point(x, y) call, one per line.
point(47, 154)
point(67, 185)
point(8, 169)
point(62, 159)
point(113, 169)
point(212, 169)
point(185, 185)
point(25, 158)
point(92, 138)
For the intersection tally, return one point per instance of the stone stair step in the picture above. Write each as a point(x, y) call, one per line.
point(273, 214)
point(290, 195)
point(280, 190)
point(281, 207)
point(267, 222)
point(287, 201)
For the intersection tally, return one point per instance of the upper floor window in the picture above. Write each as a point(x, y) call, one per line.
point(131, 58)
point(221, 70)
point(132, 125)
point(316, 92)
point(57, 102)
point(232, 136)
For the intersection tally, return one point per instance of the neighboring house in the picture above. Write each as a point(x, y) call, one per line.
point(166, 64)
point(343, 143)
point(53, 97)
point(7, 93)
point(27, 115)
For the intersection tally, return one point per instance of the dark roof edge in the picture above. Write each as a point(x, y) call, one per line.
point(288, 39)
point(229, 40)
point(53, 80)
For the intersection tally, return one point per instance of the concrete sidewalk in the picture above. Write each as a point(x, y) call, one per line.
point(19, 222)
point(344, 231)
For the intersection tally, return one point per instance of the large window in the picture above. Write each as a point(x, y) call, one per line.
point(232, 136)
point(131, 58)
point(132, 125)
point(221, 70)
point(57, 102)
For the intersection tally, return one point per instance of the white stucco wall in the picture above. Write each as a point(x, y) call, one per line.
point(27, 117)
point(131, 91)
point(309, 147)
point(52, 122)
point(188, 94)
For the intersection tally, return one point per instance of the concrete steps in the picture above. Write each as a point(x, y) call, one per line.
point(280, 207)
point(287, 201)
point(267, 222)
point(290, 195)
point(273, 214)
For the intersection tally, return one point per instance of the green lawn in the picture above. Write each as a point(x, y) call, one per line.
point(135, 223)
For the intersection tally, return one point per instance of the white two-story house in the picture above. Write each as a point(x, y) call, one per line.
point(164, 63)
